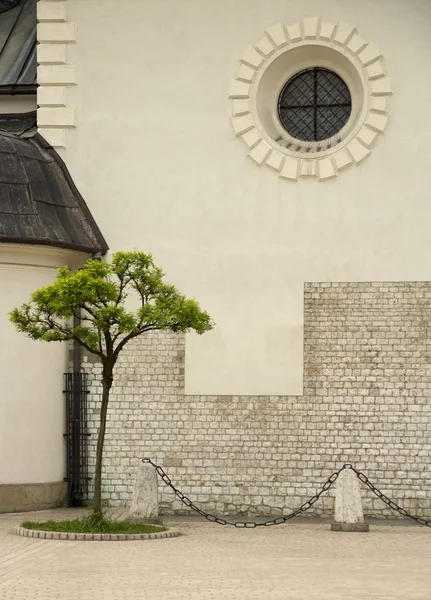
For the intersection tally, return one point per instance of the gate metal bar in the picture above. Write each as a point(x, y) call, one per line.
point(76, 392)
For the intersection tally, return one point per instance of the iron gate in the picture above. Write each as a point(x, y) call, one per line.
point(76, 392)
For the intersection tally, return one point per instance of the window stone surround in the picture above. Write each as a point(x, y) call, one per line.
point(347, 53)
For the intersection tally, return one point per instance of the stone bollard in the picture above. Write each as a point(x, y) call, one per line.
point(349, 515)
point(145, 500)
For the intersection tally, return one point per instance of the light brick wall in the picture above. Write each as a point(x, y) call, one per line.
point(367, 378)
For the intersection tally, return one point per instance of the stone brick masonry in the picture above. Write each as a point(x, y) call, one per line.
point(367, 382)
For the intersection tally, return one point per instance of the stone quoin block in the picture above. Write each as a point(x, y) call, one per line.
point(56, 32)
point(51, 95)
point(356, 43)
point(239, 89)
point(260, 152)
point(358, 151)
point(55, 137)
point(310, 26)
point(375, 70)
point(246, 73)
point(377, 121)
point(343, 33)
point(275, 160)
point(369, 54)
point(51, 10)
point(277, 33)
point(252, 57)
point(51, 53)
point(342, 159)
point(242, 124)
point(308, 168)
point(381, 87)
point(367, 136)
point(326, 169)
point(290, 169)
point(294, 32)
point(327, 30)
point(379, 104)
point(240, 107)
point(265, 47)
point(251, 137)
point(56, 117)
point(56, 74)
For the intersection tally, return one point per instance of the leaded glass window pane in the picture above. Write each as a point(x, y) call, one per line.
point(314, 105)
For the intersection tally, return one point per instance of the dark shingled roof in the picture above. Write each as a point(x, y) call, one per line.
point(17, 43)
point(39, 203)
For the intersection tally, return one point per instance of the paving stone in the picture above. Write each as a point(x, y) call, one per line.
point(295, 561)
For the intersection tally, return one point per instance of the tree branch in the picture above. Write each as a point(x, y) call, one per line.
point(123, 283)
point(99, 354)
point(81, 318)
point(93, 322)
point(132, 335)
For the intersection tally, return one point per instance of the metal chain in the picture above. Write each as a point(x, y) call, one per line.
point(393, 505)
point(304, 507)
point(244, 524)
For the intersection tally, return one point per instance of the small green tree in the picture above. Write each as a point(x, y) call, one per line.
point(96, 294)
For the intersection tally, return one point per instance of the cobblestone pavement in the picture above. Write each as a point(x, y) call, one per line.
point(209, 562)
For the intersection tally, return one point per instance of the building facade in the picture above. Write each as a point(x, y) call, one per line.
point(274, 158)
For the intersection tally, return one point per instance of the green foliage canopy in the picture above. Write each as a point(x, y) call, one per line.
point(96, 294)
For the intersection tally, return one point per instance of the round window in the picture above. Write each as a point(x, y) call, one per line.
point(310, 99)
point(314, 105)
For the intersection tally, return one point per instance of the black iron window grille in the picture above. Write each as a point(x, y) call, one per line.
point(314, 105)
point(76, 392)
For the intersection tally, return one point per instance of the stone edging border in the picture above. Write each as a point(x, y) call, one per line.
point(280, 38)
point(94, 537)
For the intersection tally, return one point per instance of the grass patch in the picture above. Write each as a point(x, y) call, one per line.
point(94, 522)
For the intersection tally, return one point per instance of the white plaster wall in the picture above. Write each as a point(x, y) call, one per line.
point(17, 104)
point(31, 400)
point(154, 155)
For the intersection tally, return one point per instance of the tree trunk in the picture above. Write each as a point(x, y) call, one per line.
point(107, 379)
